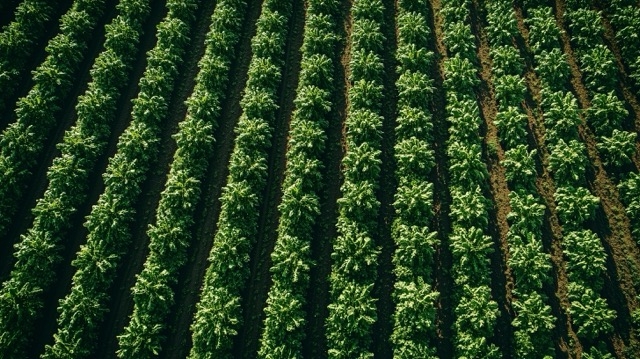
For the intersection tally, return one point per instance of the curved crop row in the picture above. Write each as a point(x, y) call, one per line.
point(16, 40)
point(529, 264)
point(352, 309)
point(475, 309)
point(170, 235)
point(23, 141)
point(218, 314)
point(285, 311)
point(415, 313)
point(607, 114)
point(583, 249)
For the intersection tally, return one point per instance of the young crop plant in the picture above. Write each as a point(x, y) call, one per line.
point(300, 207)
point(24, 140)
point(218, 313)
point(413, 294)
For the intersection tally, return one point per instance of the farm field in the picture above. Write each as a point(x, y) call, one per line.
point(319, 179)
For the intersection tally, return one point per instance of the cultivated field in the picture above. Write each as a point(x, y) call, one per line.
point(319, 179)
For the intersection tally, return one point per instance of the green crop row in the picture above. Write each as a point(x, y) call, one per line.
point(414, 297)
point(284, 326)
point(583, 250)
point(219, 312)
point(475, 309)
point(352, 308)
point(22, 143)
point(170, 235)
point(16, 43)
point(528, 262)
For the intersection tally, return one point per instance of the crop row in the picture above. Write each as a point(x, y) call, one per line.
point(219, 312)
point(583, 250)
point(17, 42)
point(22, 143)
point(83, 309)
point(352, 308)
point(475, 309)
point(625, 19)
point(414, 297)
point(529, 264)
point(414, 317)
point(291, 258)
point(38, 252)
point(170, 235)
point(607, 114)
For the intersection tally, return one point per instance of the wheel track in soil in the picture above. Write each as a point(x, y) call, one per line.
point(208, 210)
point(443, 279)
point(22, 219)
point(121, 301)
point(612, 224)
point(502, 278)
point(558, 293)
point(314, 344)
point(254, 296)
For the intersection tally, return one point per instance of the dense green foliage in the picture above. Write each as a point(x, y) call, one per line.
point(530, 265)
point(352, 308)
point(285, 311)
point(37, 253)
point(414, 318)
point(219, 313)
point(17, 43)
point(22, 143)
point(475, 309)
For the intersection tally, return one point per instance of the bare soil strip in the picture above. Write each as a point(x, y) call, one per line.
point(192, 275)
point(121, 301)
point(443, 279)
point(502, 278)
point(314, 345)
point(613, 225)
point(566, 340)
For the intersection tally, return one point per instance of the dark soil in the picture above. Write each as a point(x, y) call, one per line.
point(443, 279)
point(387, 187)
